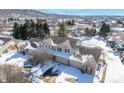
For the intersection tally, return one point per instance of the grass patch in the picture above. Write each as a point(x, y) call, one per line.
point(71, 80)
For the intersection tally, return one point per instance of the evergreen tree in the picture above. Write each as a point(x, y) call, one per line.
point(105, 30)
point(73, 22)
point(46, 29)
point(31, 29)
point(16, 31)
point(70, 22)
point(23, 31)
point(20, 31)
point(39, 28)
point(119, 22)
point(62, 30)
point(28, 28)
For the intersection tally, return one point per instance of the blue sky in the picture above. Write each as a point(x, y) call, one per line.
point(85, 11)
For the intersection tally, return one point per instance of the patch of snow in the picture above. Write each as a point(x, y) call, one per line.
point(14, 58)
point(41, 69)
point(115, 69)
point(29, 46)
point(61, 78)
point(37, 80)
point(7, 33)
point(117, 29)
point(83, 59)
point(71, 72)
point(1, 42)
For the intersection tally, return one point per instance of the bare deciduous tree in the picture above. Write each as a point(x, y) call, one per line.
point(42, 57)
point(12, 74)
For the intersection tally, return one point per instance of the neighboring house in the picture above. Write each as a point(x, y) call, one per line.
point(11, 44)
point(6, 27)
point(65, 50)
point(3, 40)
point(119, 47)
point(116, 41)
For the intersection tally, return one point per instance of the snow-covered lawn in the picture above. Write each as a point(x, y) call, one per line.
point(14, 58)
point(71, 72)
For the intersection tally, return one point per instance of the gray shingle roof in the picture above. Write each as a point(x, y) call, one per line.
point(5, 39)
point(35, 39)
point(58, 40)
point(95, 51)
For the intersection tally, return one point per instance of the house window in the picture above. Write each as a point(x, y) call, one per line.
point(60, 49)
point(52, 47)
point(40, 45)
point(57, 48)
point(74, 53)
point(67, 51)
point(88, 70)
point(49, 46)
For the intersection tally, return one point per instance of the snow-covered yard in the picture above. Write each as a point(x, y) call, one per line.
point(64, 72)
point(71, 72)
point(14, 58)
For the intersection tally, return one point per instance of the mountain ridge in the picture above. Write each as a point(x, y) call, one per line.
point(22, 13)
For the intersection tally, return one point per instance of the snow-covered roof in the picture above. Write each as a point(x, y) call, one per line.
point(72, 57)
point(1, 42)
point(40, 70)
point(83, 59)
point(117, 28)
point(30, 46)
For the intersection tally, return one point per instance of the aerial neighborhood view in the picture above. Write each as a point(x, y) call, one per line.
point(61, 46)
